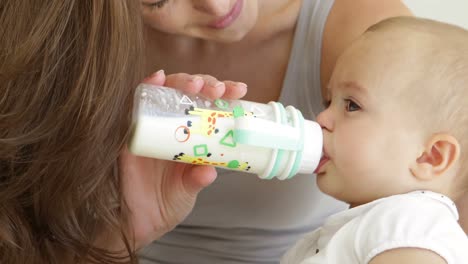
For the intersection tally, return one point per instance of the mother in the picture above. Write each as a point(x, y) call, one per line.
point(283, 50)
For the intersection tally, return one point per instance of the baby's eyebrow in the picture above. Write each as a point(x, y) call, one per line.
point(354, 86)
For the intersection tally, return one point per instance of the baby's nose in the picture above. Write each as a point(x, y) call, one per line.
point(325, 120)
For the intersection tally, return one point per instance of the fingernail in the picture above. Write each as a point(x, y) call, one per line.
point(160, 72)
point(241, 84)
point(219, 84)
point(196, 79)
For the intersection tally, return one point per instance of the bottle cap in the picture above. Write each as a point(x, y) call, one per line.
point(313, 147)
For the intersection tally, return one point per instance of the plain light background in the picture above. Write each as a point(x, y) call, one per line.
point(450, 11)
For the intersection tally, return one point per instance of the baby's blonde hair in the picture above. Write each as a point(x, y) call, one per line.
point(439, 92)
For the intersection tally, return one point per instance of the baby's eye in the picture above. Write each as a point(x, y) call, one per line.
point(326, 103)
point(351, 106)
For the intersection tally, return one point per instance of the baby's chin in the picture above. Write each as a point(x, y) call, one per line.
point(344, 194)
point(330, 189)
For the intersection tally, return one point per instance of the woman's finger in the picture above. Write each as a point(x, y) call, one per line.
point(197, 177)
point(234, 90)
point(186, 83)
point(206, 85)
point(157, 78)
point(212, 88)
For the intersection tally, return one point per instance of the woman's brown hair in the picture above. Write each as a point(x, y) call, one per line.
point(67, 73)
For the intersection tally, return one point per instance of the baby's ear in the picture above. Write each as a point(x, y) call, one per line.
point(440, 154)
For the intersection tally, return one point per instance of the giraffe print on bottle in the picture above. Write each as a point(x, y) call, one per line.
point(233, 164)
point(208, 118)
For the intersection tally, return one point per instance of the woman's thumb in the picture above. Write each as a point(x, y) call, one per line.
point(198, 177)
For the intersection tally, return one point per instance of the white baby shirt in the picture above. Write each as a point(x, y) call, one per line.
point(421, 219)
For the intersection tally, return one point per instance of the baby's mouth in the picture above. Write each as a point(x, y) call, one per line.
point(322, 162)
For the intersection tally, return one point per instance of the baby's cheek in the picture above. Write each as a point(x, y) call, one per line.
point(360, 155)
point(355, 147)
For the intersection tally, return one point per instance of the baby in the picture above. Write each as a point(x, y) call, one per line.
point(395, 148)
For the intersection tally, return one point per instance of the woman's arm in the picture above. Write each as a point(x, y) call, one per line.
point(408, 256)
point(347, 21)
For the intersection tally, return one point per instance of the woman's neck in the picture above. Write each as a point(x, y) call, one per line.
point(275, 18)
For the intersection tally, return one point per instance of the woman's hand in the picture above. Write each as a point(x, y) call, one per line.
point(206, 85)
point(160, 194)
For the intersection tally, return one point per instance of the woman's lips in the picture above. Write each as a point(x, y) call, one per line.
point(230, 17)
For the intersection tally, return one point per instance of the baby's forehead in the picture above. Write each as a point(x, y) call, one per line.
point(370, 59)
point(378, 49)
point(403, 63)
point(380, 58)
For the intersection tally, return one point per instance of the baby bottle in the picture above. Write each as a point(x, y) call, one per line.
point(265, 139)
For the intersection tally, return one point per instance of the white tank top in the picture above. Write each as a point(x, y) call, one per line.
point(241, 218)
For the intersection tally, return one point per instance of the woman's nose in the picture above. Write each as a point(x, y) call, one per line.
point(213, 7)
point(325, 120)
